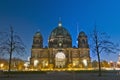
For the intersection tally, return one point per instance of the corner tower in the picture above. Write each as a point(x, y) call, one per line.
point(82, 40)
point(37, 40)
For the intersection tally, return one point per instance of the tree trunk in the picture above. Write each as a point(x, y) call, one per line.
point(11, 48)
point(99, 64)
point(10, 62)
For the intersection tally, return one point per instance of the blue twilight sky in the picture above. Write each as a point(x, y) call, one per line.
point(29, 16)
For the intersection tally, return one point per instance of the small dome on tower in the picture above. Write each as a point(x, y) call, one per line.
point(37, 34)
point(81, 34)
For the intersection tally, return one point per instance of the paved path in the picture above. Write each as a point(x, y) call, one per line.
point(62, 76)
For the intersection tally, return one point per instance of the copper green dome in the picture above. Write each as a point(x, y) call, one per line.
point(60, 34)
point(60, 31)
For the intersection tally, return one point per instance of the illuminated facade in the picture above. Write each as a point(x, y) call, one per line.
point(60, 55)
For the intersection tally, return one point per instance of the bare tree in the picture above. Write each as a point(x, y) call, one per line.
point(101, 44)
point(11, 43)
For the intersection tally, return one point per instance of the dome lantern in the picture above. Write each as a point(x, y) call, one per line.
point(60, 24)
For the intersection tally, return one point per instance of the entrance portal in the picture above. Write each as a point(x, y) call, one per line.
point(60, 60)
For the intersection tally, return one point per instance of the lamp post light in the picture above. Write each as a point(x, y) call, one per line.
point(118, 64)
point(74, 64)
point(1, 66)
point(46, 64)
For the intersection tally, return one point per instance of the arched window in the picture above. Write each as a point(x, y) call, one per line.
point(83, 41)
point(36, 41)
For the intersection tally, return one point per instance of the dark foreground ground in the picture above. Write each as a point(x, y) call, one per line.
point(107, 75)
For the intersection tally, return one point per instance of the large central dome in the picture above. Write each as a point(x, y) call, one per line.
point(60, 37)
point(60, 32)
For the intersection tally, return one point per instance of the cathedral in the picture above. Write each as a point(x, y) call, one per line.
point(60, 54)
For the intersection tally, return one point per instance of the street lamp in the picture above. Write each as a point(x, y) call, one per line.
point(74, 64)
point(1, 65)
point(118, 64)
point(46, 64)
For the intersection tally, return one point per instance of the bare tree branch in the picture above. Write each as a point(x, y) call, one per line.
point(11, 43)
point(102, 44)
